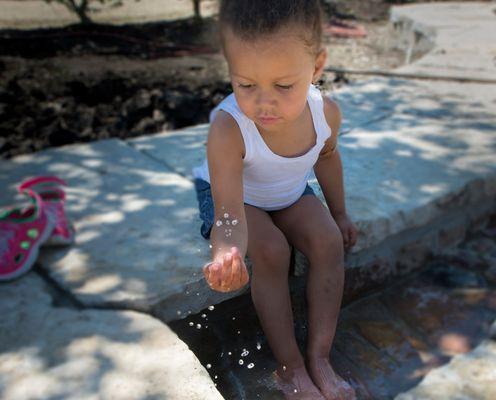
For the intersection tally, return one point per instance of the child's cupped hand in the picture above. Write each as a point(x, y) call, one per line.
point(228, 274)
point(348, 230)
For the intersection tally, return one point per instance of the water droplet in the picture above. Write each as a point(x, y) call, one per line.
point(259, 346)
point(211, 308)
point(250, 365)
point(296, 390)
point(204, 315)
point(215, 377)
point(226, 215)
point(189, 311)
point(245, 353)
point(209, 366)
point(191, 324)
point(235, 222)
point(210, 246)
point(197, 294)
point(218, 223)
point(179, 312)
point(198, 326)
point(241, 362)
point(233, 318)
point(284, 368)
point(229, 353)
point(239, 332)
point(187, 292)
point(227, 223)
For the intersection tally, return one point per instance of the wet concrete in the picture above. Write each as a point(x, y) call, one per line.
point(385, 343)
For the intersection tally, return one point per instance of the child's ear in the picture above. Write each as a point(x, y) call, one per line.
point(320, 61)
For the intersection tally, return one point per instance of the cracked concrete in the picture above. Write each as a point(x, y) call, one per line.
point(430, 144)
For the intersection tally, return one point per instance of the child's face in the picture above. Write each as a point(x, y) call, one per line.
point(271, 77)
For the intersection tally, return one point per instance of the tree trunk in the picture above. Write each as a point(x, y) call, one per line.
point(196, 5)
point(80, 10)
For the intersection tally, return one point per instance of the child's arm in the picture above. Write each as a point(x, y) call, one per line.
point(329, 173)
point(229, 240)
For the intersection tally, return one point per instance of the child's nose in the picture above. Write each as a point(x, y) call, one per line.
point(265, 98)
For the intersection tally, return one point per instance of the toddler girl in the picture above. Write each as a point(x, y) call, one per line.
point(263, 142)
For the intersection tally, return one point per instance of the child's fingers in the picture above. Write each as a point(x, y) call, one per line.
point(354, 236)
point(226, 278)
point(206, 272)
point(215, 277)
point(236, 269)
point(245, 278)
point(345, 238)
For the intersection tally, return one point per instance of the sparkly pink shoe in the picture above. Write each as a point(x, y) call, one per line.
point(49, 188)
point(22, 232)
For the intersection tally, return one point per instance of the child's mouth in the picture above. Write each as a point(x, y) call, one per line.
point(269, 120)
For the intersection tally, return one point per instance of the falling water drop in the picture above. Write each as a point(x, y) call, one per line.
point(250, 365)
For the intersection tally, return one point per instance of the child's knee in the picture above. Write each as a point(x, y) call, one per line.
point(271, 256)
point(326, 244)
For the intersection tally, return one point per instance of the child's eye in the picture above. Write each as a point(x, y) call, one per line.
point(244, 86)
point(285, 87)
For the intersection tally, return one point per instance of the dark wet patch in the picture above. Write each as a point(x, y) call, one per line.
point(386, 341)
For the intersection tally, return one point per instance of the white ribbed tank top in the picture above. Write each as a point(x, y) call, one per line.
point(270, 181)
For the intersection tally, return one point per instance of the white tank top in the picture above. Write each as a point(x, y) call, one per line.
point(270, 181)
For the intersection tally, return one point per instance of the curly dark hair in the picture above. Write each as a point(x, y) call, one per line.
point(255, 19)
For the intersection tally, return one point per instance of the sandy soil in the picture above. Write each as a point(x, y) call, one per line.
point(77, 84)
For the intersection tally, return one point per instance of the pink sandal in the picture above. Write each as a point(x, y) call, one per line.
point(22, 232)
point(49, 188)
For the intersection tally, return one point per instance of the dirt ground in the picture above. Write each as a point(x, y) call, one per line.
point(79, 83)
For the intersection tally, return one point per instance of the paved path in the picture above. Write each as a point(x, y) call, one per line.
point(430, 146)
point(32, 14)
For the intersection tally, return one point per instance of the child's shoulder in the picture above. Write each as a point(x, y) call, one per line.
point(333, 117)
point(225, 134)
point(332, 114)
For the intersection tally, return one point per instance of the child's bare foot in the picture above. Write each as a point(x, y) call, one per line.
point(296, 384)
point(331, 385)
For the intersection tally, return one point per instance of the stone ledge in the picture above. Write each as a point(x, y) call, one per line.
point(467, 376)
point(48, 352)
point(137, 242)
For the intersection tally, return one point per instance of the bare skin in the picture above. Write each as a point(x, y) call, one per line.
point(270, 78)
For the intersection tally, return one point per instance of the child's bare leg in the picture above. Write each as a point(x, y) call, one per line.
point(269, 252)
point(309, 226)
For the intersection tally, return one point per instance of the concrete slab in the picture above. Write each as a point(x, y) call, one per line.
point(32, 14)
point(138, 241)
point(467, 376)
point(54, 353)
point(462, 33)
point(424, 142)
